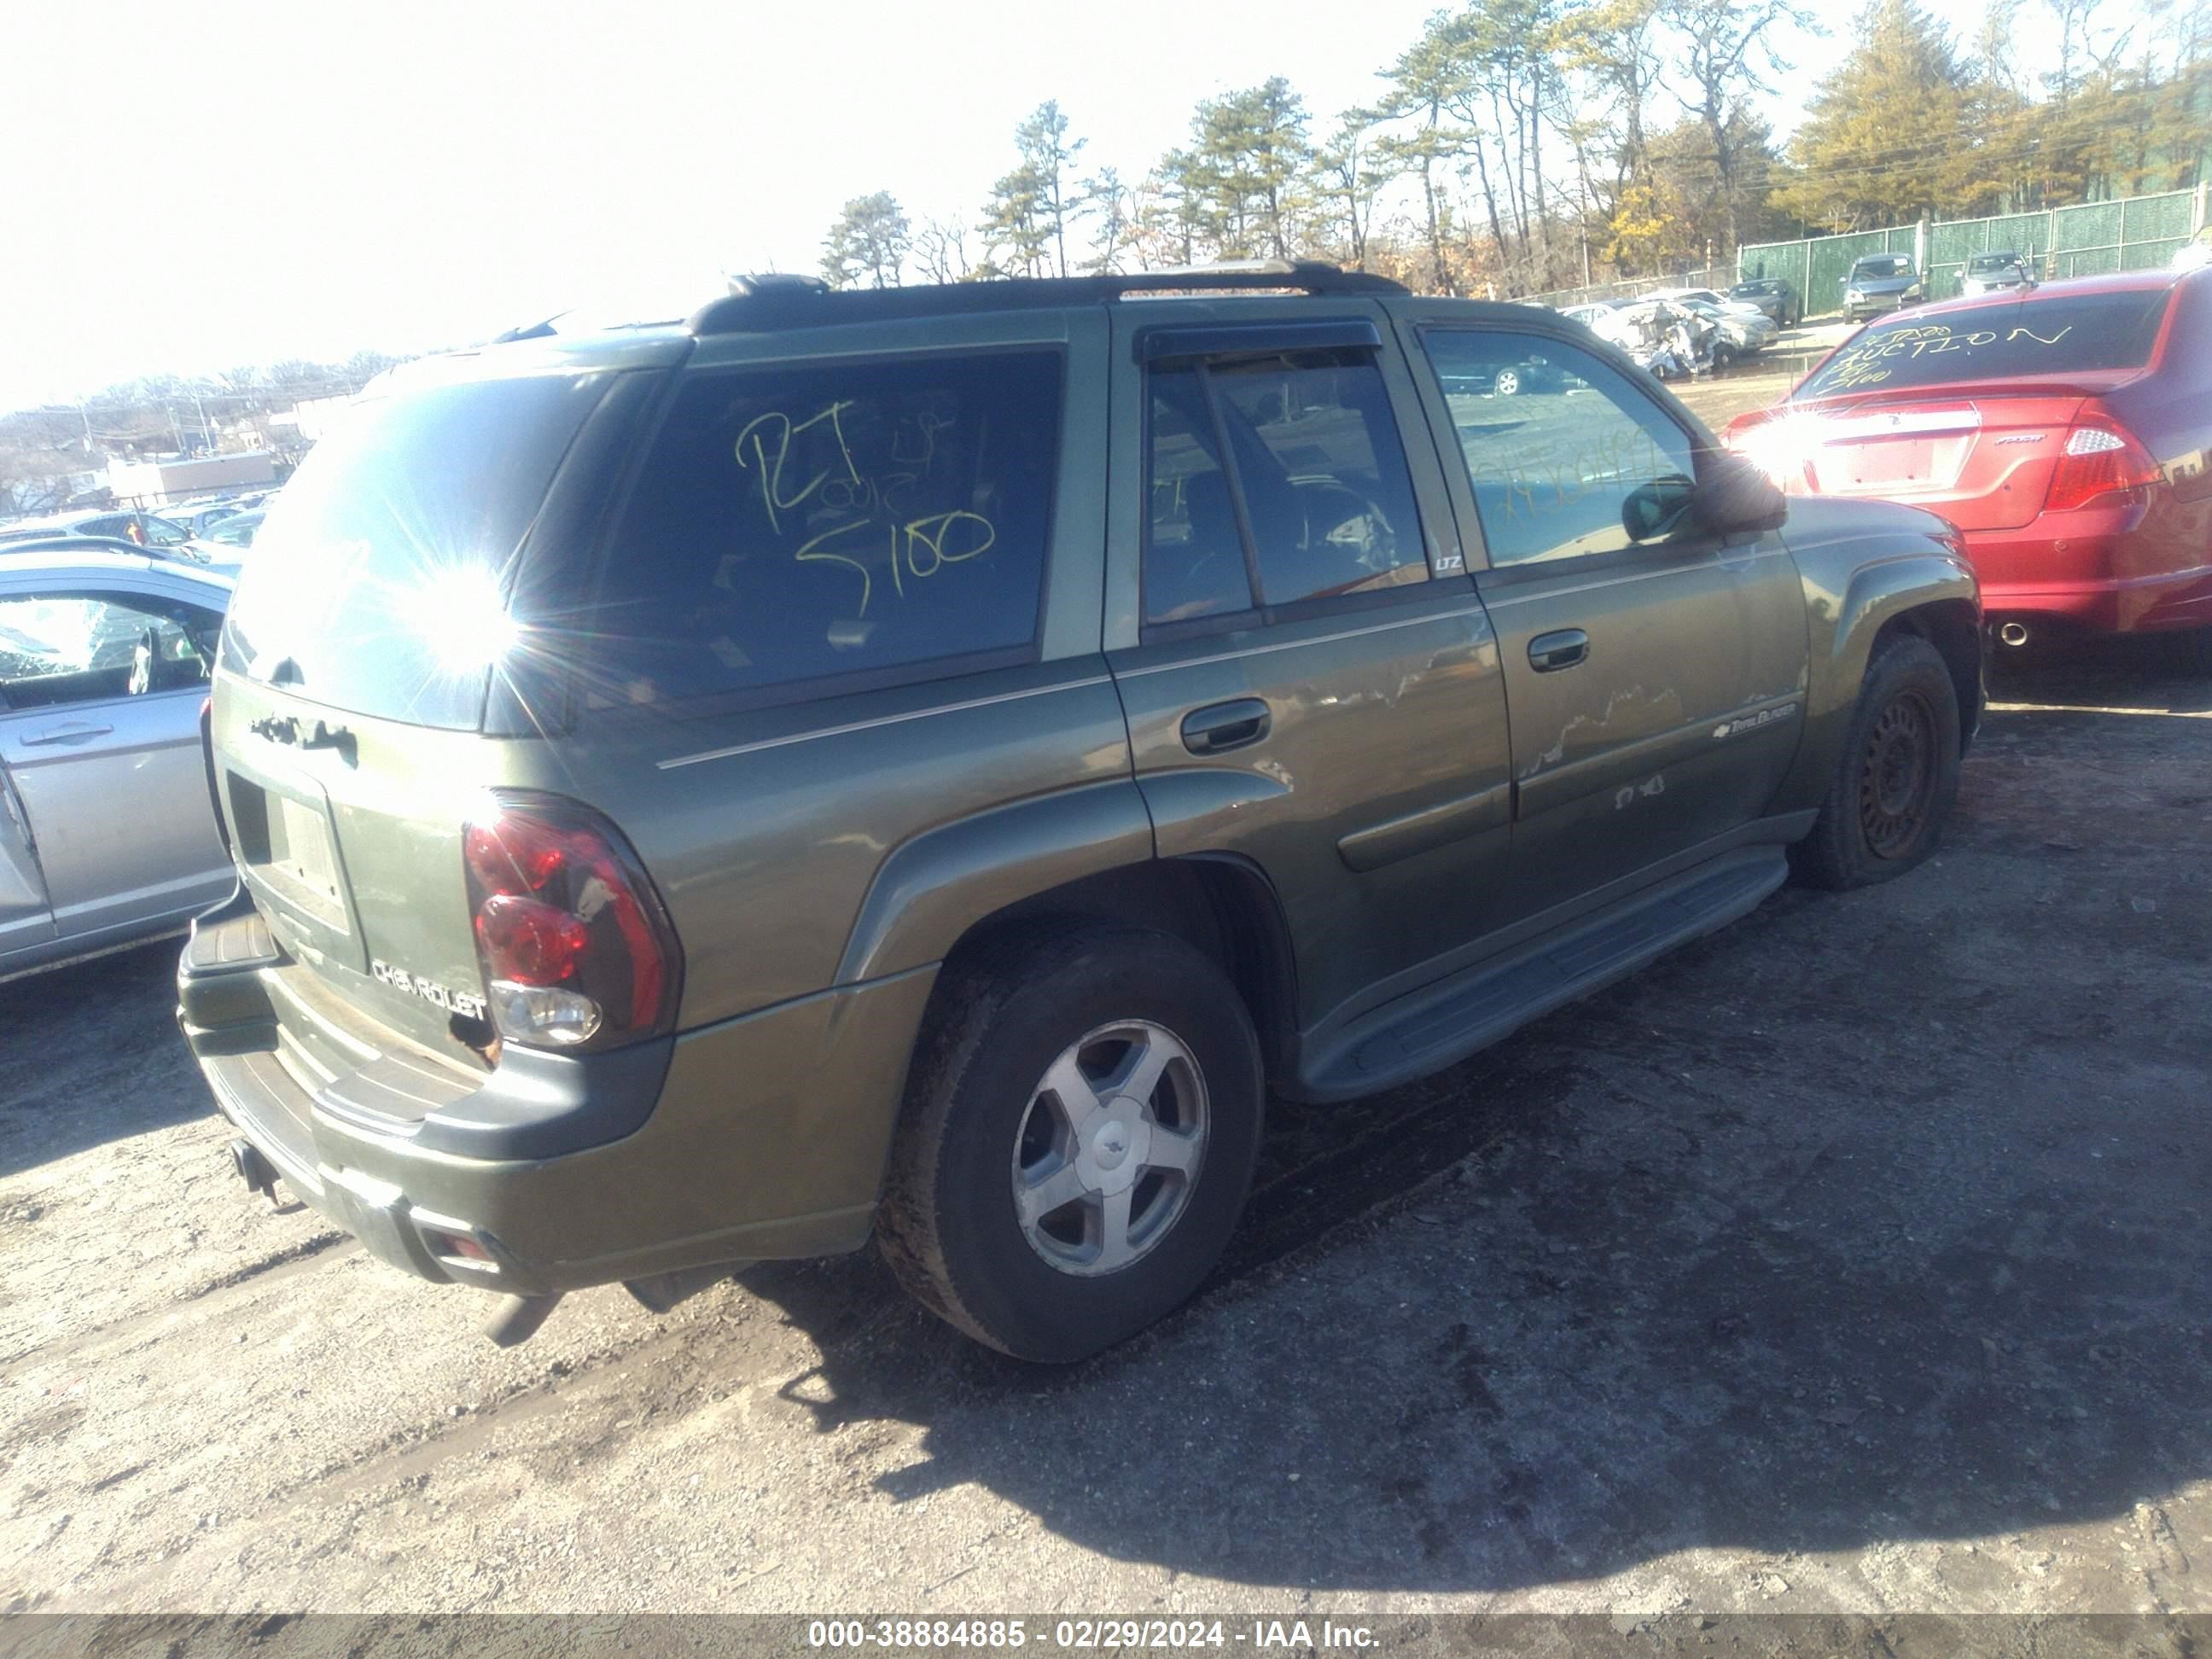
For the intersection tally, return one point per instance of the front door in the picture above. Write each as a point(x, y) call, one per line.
point(99, 736)
point(1309, 680)
point(1656, 682)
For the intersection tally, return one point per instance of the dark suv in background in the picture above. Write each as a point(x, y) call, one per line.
point(1773, 297)
point(927, 764)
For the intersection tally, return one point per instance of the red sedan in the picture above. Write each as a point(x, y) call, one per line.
point(2066, 429)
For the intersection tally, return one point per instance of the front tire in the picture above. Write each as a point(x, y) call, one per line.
point(1082, 1119)
point(1507, 383)
point(1897, 776)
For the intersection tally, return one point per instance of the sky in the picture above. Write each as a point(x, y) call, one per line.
point(190, 187)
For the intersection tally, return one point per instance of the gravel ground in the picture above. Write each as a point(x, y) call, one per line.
point(1852, 1260)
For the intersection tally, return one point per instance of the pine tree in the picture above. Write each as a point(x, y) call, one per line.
point(868, 243)
point(1887, 137)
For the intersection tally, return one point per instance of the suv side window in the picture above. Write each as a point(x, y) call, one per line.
point(837, 522)
point(1312, 459)
point(1552, 468)
point(89, 647)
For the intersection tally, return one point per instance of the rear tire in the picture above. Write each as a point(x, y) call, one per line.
point(1082, 1119)
point(1896, 778)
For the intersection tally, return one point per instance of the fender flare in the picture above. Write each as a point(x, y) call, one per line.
point(934, 887)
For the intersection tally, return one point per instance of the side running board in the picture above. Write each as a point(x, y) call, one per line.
point(1439, 1024)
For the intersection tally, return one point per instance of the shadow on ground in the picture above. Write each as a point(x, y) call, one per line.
point(91, 1053)
point(1874, 1217)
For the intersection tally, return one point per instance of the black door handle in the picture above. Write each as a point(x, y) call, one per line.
point(1562, 649)
point(1224, 726)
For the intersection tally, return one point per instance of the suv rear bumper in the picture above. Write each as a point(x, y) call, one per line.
point(763, 1136)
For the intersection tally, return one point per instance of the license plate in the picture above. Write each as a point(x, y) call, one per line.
point(1908, 462)
point(304, 855)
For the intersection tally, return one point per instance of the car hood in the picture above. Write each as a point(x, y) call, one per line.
point(1817, 520)
point(1880, 284)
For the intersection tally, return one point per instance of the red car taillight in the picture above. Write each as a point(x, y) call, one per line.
point(2100, 457)
point(575, 948)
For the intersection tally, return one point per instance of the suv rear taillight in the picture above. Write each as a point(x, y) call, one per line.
point(576, 950)
point(2100, 457)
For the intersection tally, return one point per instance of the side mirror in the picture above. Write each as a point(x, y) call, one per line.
point(1733, 495)
point(1654, 509)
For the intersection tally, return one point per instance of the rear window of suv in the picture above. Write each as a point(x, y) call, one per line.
point(2039, 334)
point(832, 526)
point(379, 578)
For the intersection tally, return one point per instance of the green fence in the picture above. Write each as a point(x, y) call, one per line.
point(2068, 242)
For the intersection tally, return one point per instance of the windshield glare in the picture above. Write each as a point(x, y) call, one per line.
point(1891, 264)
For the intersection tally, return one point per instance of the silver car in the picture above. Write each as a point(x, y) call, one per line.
point(107, 835)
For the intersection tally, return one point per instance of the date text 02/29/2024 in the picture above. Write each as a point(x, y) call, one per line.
point(1262, 1635)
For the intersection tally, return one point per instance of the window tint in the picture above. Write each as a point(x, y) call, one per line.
point(1315, 450)
point(82, 647)
point(2034, 334)
point(1552, 468)
point(1194, 554)
point(832, 520)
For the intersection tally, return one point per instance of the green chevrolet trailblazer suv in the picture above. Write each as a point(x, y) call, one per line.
point(925, 765)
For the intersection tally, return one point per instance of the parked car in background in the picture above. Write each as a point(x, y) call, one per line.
point(1589, 315)
point(198, 518)
point(1773, 297)
point(1707, 296)
point(643, 870)
point(147, 530)
point(1879, 283)
point(1742, 333)
point(237, 531)
point(2064, 428)
point(2195, 253)
point(1988, 273)
point(1535, 373)
point(107, 828)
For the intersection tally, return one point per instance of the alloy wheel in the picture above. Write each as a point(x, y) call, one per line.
point(1108, 1153)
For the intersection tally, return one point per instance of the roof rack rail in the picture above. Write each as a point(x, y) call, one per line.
point(781, 300)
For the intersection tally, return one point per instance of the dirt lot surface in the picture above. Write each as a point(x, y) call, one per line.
point(1854, 1259)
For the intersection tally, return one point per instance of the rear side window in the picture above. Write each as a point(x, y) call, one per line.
point(379, 578)
point(2054, 334)
point(848, 522)
point(1313, 454)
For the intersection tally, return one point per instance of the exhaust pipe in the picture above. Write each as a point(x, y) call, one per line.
point(518, 1317)
point(255, 1170)
point(2014, 634)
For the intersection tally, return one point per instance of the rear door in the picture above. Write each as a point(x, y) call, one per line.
point(100, 741)
point(1309, 680)
point(1657, 688)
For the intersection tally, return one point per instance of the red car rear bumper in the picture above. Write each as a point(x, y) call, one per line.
point(2103, 571)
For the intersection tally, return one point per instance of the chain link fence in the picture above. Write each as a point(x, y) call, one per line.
point(2128, 234)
